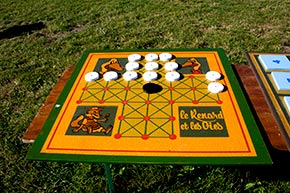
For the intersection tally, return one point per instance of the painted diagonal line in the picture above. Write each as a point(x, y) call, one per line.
point(118, 83)
point(136, 82)
point(129, 130)
point(182, 83)
point(92, 95)
point(147, 111)
point(161, 95)
point(159, 127)
point(132, 127)
point(163, 84)
point(206, 95)
point(200, 82)
point(93, 85)
point(133, 109)
point(158, 110)
point(183, 95)
point(136, 95)
point(105, 91)
point(114, 94)
point(171, 106)
point(83, 91)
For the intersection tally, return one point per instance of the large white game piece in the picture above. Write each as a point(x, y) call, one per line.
point(151, 57)
point(213, 75)
point(172, 76)
point(130, 76)
point(134, 57)
point(165, 57)
point(111, 75)
point(215, 87)
point(132, 66)
point(151, 66)
point(148, 76)
point(92, 76)
point(169, 66)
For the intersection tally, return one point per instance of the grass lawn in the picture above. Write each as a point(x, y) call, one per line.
point(32, 61)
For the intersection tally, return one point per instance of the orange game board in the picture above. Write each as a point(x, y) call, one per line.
point(116, 121)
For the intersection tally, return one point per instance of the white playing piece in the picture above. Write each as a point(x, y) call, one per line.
point(111, 75)
point(134, 57)
point(148, 76)
point(172, 76)
point(165, 57)
point(151, 66)
point(151, 57)
point(92, 76)
point(132, 66)
point(215, 87)
point(213, 75)
point(130, 76)
point(169, 66)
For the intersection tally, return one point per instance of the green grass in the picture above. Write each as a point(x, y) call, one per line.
point(31, 63)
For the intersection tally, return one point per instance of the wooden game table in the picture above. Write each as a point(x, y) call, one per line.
point(264, 117)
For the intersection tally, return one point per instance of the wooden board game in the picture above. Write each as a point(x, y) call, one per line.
point(273, 74)
point(183, 123)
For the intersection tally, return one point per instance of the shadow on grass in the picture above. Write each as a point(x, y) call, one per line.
point(279, 170)
point(19, 30)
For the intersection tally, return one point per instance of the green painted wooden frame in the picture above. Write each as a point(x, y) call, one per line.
point(261, 150)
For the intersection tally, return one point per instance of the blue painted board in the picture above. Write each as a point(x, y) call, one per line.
point(275, 62)
point(287, 102)
point(282, 80)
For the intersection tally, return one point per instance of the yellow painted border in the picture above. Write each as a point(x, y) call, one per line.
point(238, 144)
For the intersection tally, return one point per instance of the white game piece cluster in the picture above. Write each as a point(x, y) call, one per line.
point(149, 76)
point(92, 76)
point(134, 57)
point(132, 66)
point(213, 75)
point(151, 57)
point(165, 57)
point(172, 76)
point(215, 87)
point(151, 66)
point(169, 66)
point(130, 75)
point(111, 75)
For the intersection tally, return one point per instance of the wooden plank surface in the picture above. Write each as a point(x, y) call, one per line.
point(244, 72)
point(259, 103)
point(39, 120)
